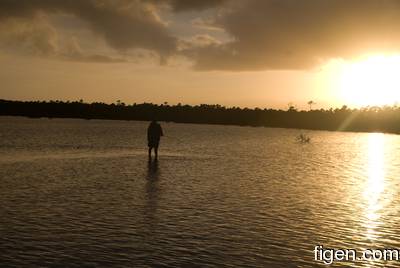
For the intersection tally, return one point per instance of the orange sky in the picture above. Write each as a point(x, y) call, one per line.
point(235, 53)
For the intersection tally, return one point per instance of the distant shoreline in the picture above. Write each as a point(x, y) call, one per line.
point(371, 119)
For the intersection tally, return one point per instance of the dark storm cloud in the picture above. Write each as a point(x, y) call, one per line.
point(294, 34)
point(29, 36)
point(188, 5)
point(123, 24)
point(73, 52)
point(93, 58)
point(259, 34)
point(183, 5)
point(38, 37)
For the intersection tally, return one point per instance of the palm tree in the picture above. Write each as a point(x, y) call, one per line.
point(291, 107)
point(311, 103)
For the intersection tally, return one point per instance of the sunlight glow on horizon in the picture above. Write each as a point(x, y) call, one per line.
point(371, 81)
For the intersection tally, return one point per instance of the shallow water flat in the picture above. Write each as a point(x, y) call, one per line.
point(81, 193)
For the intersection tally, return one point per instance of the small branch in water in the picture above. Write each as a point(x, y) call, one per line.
point(302, 138)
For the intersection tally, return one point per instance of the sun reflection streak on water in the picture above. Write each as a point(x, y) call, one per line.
point(375, 185)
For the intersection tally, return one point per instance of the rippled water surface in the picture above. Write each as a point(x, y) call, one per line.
point(81, 193)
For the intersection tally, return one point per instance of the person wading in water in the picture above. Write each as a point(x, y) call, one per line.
point(154, 132)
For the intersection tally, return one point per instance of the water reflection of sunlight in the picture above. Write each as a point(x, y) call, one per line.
point(375, 184)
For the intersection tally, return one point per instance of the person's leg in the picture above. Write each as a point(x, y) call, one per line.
point(149, 153)
point(156, 152)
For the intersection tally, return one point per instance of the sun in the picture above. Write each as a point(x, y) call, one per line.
point(373, 81)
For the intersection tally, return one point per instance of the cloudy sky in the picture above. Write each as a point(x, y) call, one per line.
point(263, 53)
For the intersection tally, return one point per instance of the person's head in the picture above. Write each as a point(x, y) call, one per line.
point(154, 121)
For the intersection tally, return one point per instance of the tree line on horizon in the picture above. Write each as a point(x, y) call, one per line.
point(368, 119)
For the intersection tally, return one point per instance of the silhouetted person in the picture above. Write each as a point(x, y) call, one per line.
point(154, 132)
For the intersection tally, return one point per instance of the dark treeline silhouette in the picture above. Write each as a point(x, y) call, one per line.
point(383, 119)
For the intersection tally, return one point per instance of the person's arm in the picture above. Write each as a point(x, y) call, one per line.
point(161, 132)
